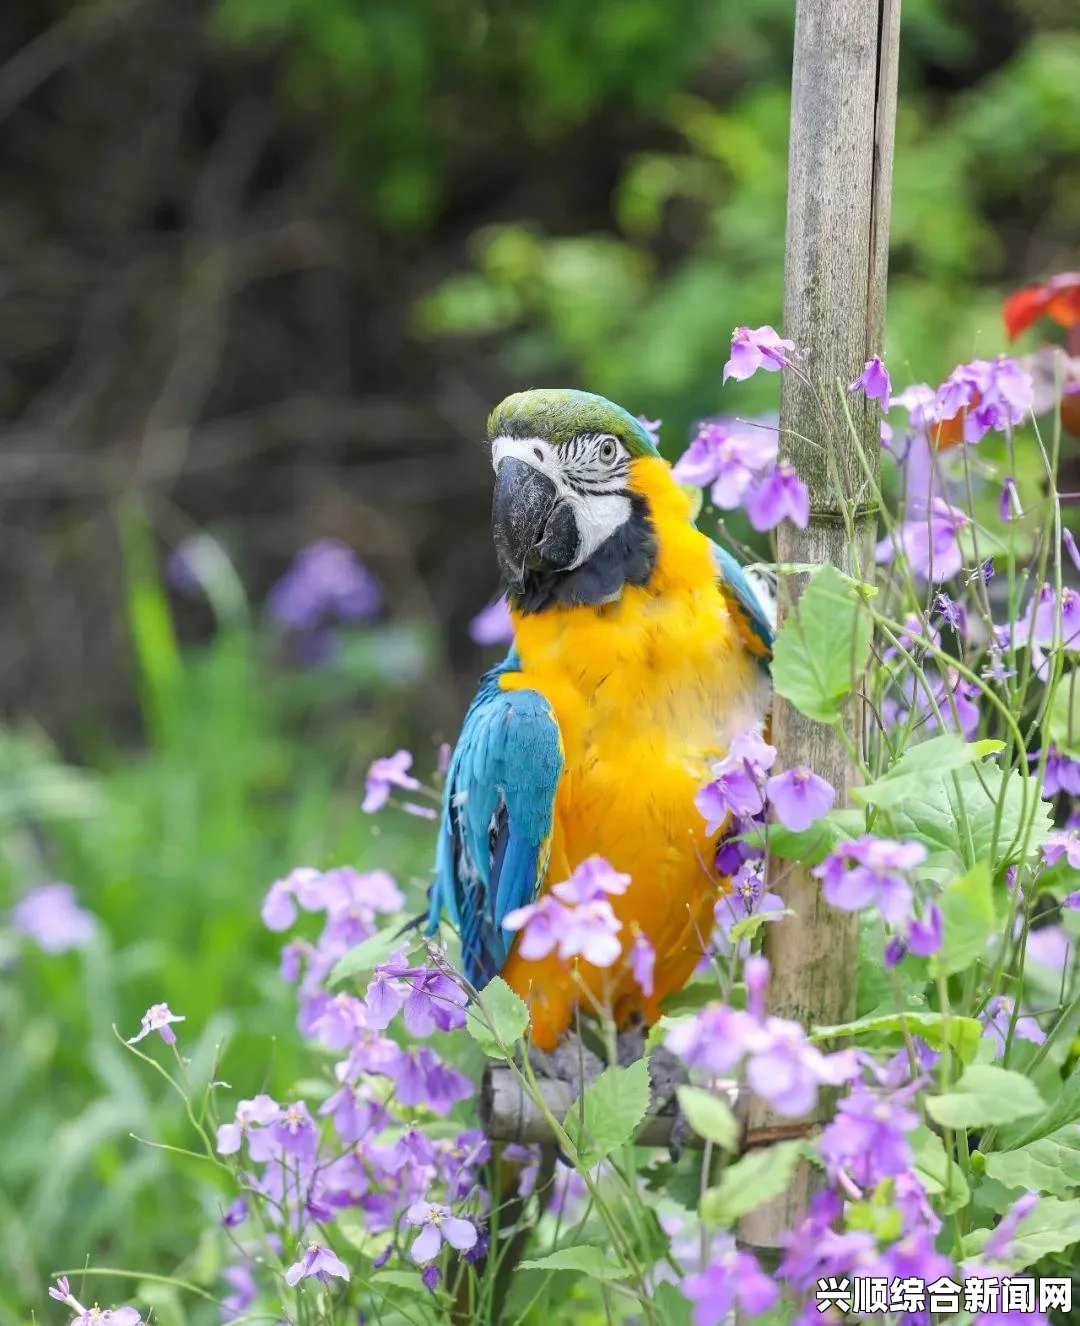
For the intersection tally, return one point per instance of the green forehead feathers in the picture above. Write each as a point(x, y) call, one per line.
point(557, 415)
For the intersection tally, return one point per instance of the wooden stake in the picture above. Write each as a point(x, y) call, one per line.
point(843, 111)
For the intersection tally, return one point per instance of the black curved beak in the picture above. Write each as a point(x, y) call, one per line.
point(532, 530)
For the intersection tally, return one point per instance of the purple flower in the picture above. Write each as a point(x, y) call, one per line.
point(432, 1001)
point(999, 1246)
point(236, 1213)
point(244, 1291)
point(591, 932)
point(930, 543)
point(1071, 901)
point(301, 885)
point(157, 1018)
point(51, 917)
point(727, 459)
point(925, 934)
point(437, 1226)
point(61, 1291)
point(736, 1279)
point(1009, 502)
point(878, 876)
point(1062, 843)
point(868, 1138)
point(256, 1114)
point(391, 771)
point(430, 1277)
point(738, 782)
point(325, 580)
point(998, 1016)
point(952, 613)
point(781, 493)
point(529, 1159)
point(318, 1263)
point(421, 1078)
point(642, 963)
point(492, 625)
point(1046, 624)
point(574, 917)
point(747, 898)
point(787, 1071)
point(542, 923)
point(712, 1039)
point(874, 382)
point(1062, 773)
point(993, 394)
point(592, 881)
point(754, 348)
point(799, 796)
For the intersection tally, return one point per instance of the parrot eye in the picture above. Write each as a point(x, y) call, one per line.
point(609, 449)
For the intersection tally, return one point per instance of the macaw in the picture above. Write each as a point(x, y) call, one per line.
point(640, 650)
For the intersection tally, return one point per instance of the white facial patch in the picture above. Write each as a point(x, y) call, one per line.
point(597, 515)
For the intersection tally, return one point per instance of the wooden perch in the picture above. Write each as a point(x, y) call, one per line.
point(843, 110)
point(509, 1114)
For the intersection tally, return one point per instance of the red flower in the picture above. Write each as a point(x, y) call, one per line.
point(1058, 298)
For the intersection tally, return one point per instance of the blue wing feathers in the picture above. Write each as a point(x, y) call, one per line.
point(744, 602)
point(498, 804)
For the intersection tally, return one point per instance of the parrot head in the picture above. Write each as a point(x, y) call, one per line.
point(567, 526)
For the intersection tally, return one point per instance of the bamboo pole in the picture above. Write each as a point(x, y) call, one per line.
point(843, 111)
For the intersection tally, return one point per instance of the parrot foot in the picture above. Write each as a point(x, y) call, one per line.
point(571, 1062)
point(667, 1073)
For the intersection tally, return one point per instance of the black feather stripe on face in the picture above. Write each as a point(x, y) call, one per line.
point(627, 557)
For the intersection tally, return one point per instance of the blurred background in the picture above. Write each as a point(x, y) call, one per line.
point(265, 265)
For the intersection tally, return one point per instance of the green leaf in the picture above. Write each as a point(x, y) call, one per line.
point(1063, 721)
point(671, 1306)
point(754, 1179)
point(960, 1034)
point(969, 920)
point(498, 1019)
point(1064, 1110)
point(710, 1117)
point(608, 1112)
point(943, 1181)
point(985, 1095)
point(955, 818)
point(822, 648)
point(1054, 1226)
point(364, 958)
point(590, 1261)
point(1051, 1165)
point(748, 927)
point(811, 846)
point(928, 760)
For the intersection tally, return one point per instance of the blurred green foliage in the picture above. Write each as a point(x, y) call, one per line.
point(249, 769)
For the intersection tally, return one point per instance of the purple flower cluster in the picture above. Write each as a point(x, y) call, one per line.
point(780, 1063)
point(729, 457)
point(51, 916)
point(326, 582)
point(739, 460)
point(992, 394)
point(741, 787)
point(930, 542)
point(364, 1149)
point(876, 872)
point(576, 919)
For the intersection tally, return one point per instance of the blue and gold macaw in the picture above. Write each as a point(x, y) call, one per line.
point(640, 649)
